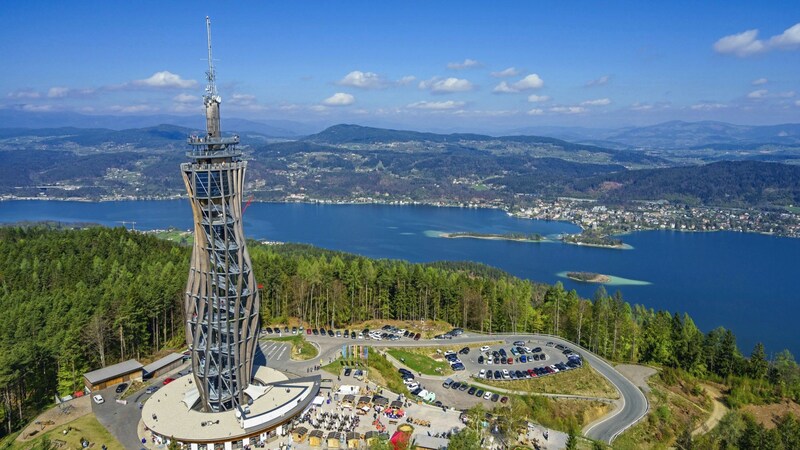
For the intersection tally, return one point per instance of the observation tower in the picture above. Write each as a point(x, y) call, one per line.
point(222, 302)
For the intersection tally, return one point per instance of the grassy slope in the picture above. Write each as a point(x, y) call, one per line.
point(584, 381)
point(83, 427)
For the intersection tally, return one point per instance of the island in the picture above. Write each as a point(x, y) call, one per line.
point(588, 277)
point(593, 240)
point(519, 237)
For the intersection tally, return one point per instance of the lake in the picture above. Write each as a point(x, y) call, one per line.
point(745, 282)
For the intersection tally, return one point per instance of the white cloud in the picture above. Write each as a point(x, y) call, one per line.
point(533, 98)
point(797, 103)
point(339, 99)
point(536, 112)
point(450, 104)
point(63, 92)
point(133, 109)
point(57, 92)
point(24, 93)
point(790, 38)
point(187, 98)
point(165, 80)
point(242, 99)
point(363, 80)
point(763, 93)
point(406, 80)
point(318, 108)
point(708, 106)
point(503, 88)
point(568, 109)
point(742, 44)
point(597, 102)
point(468, 63)
point(531, 81)
point(510, 72)
point(37, 108)
point(747, 43)
point(598, 81)
point(759, 81)
point(441, 86)
point(641, 106)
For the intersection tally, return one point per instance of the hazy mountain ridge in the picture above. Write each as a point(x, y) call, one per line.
point(535, 146)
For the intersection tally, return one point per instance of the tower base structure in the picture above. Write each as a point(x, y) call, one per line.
point(273, 402)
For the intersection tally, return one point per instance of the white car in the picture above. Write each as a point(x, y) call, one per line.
point(489, 361)
point(487, 395)
point(482, 373)
point(485, 348)
point(555, 369)
point(505, 374)
point(98, 399)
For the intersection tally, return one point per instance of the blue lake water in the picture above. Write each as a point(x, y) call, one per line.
point(746, 282)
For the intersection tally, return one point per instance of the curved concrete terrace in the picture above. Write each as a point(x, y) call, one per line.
point(166, 415)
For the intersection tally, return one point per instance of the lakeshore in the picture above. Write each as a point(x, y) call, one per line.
point(701, 273)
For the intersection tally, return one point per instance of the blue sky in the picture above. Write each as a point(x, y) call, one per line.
point(482, 66)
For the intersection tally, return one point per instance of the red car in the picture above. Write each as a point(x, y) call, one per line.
point(308, 330)
point(169, 380)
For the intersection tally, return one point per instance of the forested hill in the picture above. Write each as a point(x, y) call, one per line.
point(726, 183)
point(74, 300)
point(345, 134)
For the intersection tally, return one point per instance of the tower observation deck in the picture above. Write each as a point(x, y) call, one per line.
point(222, 302)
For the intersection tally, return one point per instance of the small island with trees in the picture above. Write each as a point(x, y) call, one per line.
point(588, 277)
point(519, 237)
point(593, 240)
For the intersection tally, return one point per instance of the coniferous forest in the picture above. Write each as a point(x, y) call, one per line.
point(74, 300)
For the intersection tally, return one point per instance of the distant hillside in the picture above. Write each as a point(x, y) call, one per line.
point(161, 135)
point(17, 118)
point(359, 135)
point(726, 183)
point(678, 134)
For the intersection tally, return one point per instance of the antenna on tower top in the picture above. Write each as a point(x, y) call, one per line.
point(211, 88)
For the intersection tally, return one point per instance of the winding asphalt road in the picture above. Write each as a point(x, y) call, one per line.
point(633, 403)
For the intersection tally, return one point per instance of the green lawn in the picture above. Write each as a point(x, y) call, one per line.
point(86, 427)
point(381, 371)
point(420, 363)
point(301, 349)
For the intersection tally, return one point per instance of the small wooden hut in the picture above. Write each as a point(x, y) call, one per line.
point(315, 438)
point(299, 434)
point(334, 439)
point(353, 439)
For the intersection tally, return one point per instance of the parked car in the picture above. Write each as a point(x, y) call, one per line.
point(464, 351)
point(417, 336)
point(472, 390)
point(348, 371)
point(487, 395)
point(294, 330)
point(495, 397)
point(98, 399)
point(121, 388)
point(519, 343)
point(504, 399)
point(308, 331)
point(482, 373)
point(479, 393)
point(447, 383)
point(485, 348)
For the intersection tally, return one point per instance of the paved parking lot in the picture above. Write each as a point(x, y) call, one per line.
point(121, 420)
